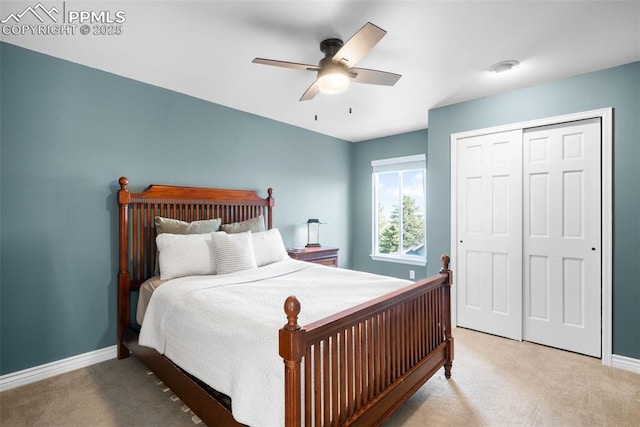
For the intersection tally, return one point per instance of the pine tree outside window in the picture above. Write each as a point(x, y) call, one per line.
point(399, 209)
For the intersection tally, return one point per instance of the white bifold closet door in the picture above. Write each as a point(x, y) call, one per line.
point(562, 236)
point(529, 232)
point(490, 233)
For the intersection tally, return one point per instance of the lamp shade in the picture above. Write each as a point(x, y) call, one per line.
point(313, 233)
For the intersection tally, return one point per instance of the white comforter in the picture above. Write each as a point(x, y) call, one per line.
point(224, 329)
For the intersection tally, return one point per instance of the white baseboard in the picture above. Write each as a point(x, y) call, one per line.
point(48, 370)
point(626, 363)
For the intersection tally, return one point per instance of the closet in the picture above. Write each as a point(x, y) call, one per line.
point(527, 230)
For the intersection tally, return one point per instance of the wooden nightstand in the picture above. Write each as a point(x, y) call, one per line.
point(322, 255)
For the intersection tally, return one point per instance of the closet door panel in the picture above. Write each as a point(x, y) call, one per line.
point(562, 225)
point(489, 232)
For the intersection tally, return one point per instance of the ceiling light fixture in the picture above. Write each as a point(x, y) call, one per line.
point(337, 67)
point(333, 83)
point(333, 78)
point(504, 66)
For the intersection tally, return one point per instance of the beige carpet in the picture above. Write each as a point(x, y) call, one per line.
point(495, 382)
point(501, 382)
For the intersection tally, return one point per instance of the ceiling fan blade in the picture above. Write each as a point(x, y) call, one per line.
point(311, 92)
point(359, 44)
point(364, 75)
point(286, 64)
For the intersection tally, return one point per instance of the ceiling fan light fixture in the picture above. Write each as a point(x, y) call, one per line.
point(337, 67)
point(333, 83)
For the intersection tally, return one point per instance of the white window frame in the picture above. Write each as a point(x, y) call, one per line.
point(396, 164)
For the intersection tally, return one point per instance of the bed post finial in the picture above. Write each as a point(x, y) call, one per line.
point(292, 309)
point(445, 263)
point(446, 260)
point(123, 181)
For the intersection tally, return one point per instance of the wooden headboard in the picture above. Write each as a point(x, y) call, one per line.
point(137, 212)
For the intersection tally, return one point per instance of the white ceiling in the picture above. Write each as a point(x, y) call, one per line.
point(443, 50)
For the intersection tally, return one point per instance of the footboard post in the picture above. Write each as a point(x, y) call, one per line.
point(292, 349)
point(446, 303)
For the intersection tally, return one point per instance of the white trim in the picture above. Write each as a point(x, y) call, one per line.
point(606, 116)
point(48, 370)
point(453, 216)
point(626, 363)
point(397, 160)
point(399, 259)
point(607, 234)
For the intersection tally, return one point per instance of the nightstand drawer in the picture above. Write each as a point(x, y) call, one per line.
point(320, 255)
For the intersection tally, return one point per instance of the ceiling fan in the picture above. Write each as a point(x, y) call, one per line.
point(336, 69)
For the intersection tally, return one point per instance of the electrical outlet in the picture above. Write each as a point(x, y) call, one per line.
point(412, 274)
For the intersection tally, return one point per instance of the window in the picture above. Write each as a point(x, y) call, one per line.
point(399, 209)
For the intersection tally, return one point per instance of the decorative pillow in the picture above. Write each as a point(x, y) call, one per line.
point(233, 252)
point(175, 226)
point(268, 247)
point(185, 255)
point(254, 224)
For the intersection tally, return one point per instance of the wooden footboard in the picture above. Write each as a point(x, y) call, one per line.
point(356, 367)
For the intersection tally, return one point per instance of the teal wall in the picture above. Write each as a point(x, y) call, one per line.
point(68, 132)
point(616, 87)
point(406, 144)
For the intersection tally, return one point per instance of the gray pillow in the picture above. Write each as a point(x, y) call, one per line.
point(255, 225)
point(175, 226)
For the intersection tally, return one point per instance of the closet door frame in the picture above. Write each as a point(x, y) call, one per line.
point(606, 117)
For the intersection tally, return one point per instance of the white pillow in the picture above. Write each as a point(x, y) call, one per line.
point(233, 252)
point(268, 247)
point(175, 226)
point(185, 255)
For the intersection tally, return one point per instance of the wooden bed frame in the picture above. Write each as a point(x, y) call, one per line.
point(388, 347)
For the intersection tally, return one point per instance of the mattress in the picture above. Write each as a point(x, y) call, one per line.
point(223, 329)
